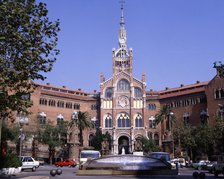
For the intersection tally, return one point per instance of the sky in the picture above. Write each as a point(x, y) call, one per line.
point(174, 41)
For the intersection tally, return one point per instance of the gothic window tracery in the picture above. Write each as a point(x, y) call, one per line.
point(123, 85)
point(108, 121)
point(123, 120)
point(138, 121)
point(138, 92)
point(109, 93)
point(156, 139)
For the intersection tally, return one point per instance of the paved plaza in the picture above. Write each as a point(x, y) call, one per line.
point(43, 172)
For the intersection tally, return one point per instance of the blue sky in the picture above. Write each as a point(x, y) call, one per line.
point(174, 41)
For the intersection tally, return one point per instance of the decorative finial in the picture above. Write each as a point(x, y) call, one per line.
point(122, 4)
point(122, 14)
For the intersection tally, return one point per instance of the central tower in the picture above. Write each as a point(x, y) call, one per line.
point(122, 57)
point(123, 98)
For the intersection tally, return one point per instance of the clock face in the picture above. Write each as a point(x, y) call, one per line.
point(123, 101)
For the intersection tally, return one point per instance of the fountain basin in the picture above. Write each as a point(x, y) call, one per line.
point(126, 165)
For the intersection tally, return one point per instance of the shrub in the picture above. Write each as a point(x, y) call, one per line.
point(10, 160)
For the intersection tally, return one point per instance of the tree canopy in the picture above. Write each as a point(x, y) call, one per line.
point(28, 41)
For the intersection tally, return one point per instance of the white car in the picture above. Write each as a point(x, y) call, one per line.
point(179, 161)
point(29, 163)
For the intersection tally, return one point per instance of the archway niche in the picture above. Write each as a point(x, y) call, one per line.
point(123, 144)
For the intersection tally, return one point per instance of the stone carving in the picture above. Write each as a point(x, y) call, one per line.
point(138, 145)
point(123, 101)
point(105, 147)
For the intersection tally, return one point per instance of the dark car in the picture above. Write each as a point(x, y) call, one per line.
point(69, 163)
point(210, 166)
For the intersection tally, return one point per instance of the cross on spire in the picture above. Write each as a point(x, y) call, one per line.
point(122, 4)
point(122, 14)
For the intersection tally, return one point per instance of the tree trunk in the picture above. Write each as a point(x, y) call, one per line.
point(81, 136)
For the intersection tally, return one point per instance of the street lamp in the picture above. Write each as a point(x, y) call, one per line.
point(170, 120)
point(23, 119)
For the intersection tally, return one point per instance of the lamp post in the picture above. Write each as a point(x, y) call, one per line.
point(22, 121)
point(170, 115)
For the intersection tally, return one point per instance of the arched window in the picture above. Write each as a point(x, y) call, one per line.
point(60, 104)
point(138, 92)
point(222, 93)
point(150, 135)
point(91, 140)
point(123, 120)
point(43, 101)
point(138, 120)
point(123, 85)
point(76, 106)
point(186, 118)
point(156, 139)
point(204, 117)
point(109, 93)
point(108, 121)
point(42, 118)
point(152, 106)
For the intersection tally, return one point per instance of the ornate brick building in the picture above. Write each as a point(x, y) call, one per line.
point(124, 107)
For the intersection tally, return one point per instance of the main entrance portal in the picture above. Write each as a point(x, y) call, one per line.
point(123, 145)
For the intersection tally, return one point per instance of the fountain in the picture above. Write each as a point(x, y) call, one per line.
point(127, 165)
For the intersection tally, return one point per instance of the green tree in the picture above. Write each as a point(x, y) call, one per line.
point(148, 145)
point(53, 136)
point(82, 121)
point(218, 137)
point(28, 42)
point(183, 137)
point(165, 115)
point(203, 139)
point(220, 68)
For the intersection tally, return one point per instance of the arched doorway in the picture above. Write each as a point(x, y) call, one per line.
point(123, 142)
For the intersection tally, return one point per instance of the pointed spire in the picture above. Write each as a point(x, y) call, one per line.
point(122, 33)
point(122, 13)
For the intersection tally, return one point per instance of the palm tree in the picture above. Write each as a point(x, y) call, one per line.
point(148, 145)
point(167, 116)
point(82, 121)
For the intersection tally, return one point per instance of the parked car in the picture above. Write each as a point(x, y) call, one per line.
point(201, 164)
point(219, 166)
point(162, 156)
point(40, 160)
point(179, 161)
point(69, 163)
point(28, 162)
point(210, 166)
